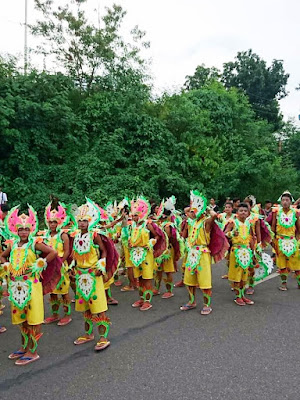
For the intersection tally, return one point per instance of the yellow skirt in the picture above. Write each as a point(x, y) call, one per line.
point(235, 272)
point(97, 303)
point(292, 262)
point(64, 284)
point(33, 312)
point(201, 278)
point(145, 270)
point(128, 262)
point(168, 265)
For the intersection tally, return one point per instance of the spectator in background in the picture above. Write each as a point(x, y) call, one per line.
point(236, 203)
point(213, 205)
point(268, 208)
point(3, 198)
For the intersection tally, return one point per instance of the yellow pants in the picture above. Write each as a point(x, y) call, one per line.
point(97, 303)
point(201, 278)
point(292, 262)
point(64, 283)
point(167, 265)
point(145, 270)
point(33, 313)
point(236, 273)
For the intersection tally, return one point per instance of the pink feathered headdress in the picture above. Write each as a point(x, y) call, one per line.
point(141, 208)
point(59, 215)
point(13, 221)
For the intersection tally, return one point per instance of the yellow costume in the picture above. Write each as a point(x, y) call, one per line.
point(287, 247)
point(25, 289)
point(198, 260)
point(141, 252)
point(90, 292)
point(241, 254)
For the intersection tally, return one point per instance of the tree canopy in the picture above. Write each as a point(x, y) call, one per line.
point(94, 129)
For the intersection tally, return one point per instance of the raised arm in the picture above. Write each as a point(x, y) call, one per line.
point(51, 253)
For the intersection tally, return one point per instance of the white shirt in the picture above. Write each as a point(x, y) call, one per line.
point(3, 198)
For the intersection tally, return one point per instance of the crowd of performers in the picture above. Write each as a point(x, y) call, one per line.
point(85, 250)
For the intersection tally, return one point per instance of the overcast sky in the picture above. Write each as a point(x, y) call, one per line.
point(186, 33)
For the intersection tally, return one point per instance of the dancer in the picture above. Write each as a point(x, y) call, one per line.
point(240, 231)
point(141, 249)
point(25, 288)
point(198, 262)
point(166, 263)
point(54, 237)
point(91, 261)
point(286, 227)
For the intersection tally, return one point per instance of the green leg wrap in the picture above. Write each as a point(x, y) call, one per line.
point(251, 281)
point(283, 276)
point(108, 291)
point(147, 295)
point(1, 292)
point(207, 299)
point(67, 308)
point(53, 304)
point(298, 278)
point(25, 337)
point(88, 325)
point(35, 337)
point(106, 326)
point(240, 291)
point(191, 294)
point(141, 291)
point(157, 281)
point(169, 286)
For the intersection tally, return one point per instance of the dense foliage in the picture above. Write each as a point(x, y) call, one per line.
point(99, 133)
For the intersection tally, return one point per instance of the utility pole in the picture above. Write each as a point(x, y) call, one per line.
point(25, 39)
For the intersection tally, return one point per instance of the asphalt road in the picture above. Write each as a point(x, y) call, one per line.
point(236, 352)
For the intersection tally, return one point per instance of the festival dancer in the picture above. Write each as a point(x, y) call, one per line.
point(241, 233)
point(25, 287)
point(286, 227)
point(166, 263)
point(91, 259)
point(225, 216)
point(223, 219)
point(182, 229)
point(54, 237)
point(255, 219)
point(198, 263)
point(142, 250)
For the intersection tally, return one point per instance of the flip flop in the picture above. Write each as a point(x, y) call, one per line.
point(27, 360)
point(187, 307)
point(101, 345)
point(206, 311)
point(112, 302)
point(82, 340)
point(16, 354)
point(2, 329)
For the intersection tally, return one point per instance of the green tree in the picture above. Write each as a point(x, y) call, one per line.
point(264, 85)
point(203, 75)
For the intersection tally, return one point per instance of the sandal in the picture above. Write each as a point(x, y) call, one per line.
point(283, 288)
point(2, 329)
point(50, 320)
point(187, 307)
point(127, 288)
point(145, 306)
point(112, 302)
point(83, 339)
point(206, 310)
point(26, 360)
point(102, 344)
point(64, 321)
point(167, 295)
point(16, 354)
